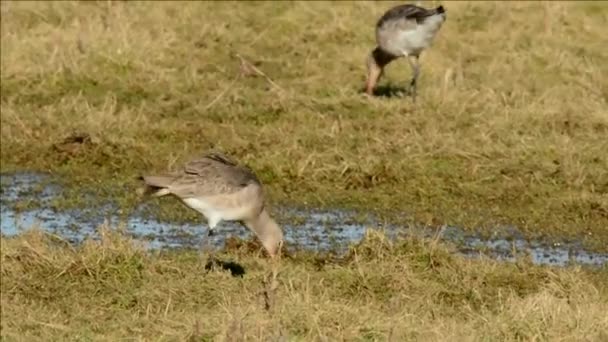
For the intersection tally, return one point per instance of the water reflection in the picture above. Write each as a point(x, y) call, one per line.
point(316, 230)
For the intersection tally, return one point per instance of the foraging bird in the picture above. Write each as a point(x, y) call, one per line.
point(220, 189)
point(403, 31)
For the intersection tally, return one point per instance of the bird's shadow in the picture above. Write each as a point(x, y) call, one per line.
point(390, 91)
point(236, 269)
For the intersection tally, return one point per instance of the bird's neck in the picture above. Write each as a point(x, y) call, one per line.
point(380, 58)
point(267, 230)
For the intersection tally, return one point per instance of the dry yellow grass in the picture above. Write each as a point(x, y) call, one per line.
point(510, 128)
point(381, 291)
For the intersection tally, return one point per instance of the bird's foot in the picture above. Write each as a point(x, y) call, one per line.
point(412, 90)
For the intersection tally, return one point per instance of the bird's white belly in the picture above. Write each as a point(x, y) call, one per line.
point(214, 212)
point(411, 42)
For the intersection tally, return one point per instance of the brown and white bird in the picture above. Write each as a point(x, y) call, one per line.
point(220, 189)
point(403, 31)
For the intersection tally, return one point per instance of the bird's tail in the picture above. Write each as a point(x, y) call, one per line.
point(439, 10)
point(155, 186)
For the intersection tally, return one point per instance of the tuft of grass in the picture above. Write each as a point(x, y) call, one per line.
point(510, 128)
point(411, 289)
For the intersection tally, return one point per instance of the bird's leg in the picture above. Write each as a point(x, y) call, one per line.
point(416, 72)
point(374, 72)
point(212, 223)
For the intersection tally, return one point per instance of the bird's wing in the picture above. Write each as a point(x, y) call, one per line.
point(213, 174)
point(406, 12)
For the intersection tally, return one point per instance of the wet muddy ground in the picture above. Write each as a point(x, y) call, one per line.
point(307, 229)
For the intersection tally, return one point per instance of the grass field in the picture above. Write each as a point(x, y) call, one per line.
point(411, 290)
point(509, 127)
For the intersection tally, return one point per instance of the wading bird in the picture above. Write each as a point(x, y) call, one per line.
point(220, 189)
point(403, 31)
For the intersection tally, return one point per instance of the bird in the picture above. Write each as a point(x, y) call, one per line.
point(403, 31)
point(220, 189)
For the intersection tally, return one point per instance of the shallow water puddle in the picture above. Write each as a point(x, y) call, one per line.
point(315, 230)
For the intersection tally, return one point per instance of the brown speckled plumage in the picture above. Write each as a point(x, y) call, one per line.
point(213, 174)
point(220, 189)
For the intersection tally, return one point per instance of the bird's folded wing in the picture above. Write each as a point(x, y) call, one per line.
point(407, 12)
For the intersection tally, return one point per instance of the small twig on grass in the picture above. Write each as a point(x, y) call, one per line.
point(52, 325)
point(270, 283)
point(167, 307)
point(220, 95)
point(270, 286)
point(247, 67)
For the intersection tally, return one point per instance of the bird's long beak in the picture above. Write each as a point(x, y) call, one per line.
point(373, 74)
point(376, 61)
